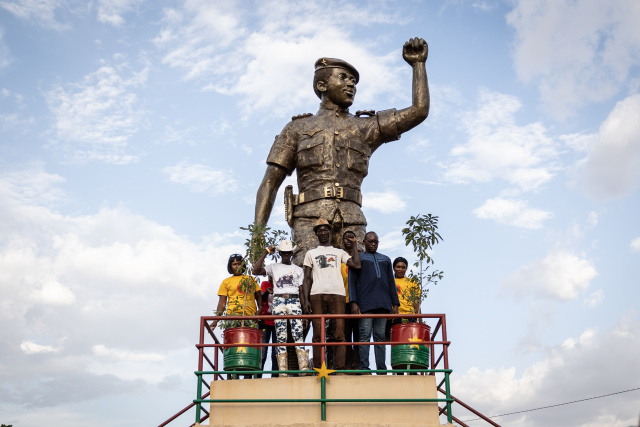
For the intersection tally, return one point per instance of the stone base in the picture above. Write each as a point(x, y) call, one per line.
point(307, 414)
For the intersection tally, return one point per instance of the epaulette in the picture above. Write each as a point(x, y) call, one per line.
point(369, 113)
point(301, 116)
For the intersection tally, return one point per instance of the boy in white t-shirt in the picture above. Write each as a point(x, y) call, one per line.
point(324, 288)
point(287, 280)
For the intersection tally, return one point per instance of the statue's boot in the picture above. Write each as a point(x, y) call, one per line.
point(282, 364)
point(303, 362)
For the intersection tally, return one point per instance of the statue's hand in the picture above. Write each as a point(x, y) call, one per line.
point(415, 50)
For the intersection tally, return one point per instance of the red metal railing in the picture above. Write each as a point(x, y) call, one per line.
point(433, 343)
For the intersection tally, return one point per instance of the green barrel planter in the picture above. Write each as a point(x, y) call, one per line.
point(242, 358)
point(414, 355)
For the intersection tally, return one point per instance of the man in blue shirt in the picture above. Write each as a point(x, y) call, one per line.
point(372, 290)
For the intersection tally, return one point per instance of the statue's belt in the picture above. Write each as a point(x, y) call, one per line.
point(326, 192)
point(330, 192)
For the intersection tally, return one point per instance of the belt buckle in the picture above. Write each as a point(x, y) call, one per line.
point(340, 192)
point(328, 191)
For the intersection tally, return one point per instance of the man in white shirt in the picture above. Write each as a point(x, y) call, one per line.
point(287, 280)
point(323, 287)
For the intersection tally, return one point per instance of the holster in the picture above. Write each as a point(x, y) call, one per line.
point(289, 202)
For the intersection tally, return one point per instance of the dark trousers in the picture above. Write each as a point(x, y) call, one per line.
point(269, 333)
point(328, 304)
point(351, 335)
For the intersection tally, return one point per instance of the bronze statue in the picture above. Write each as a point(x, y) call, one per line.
point(331, 151)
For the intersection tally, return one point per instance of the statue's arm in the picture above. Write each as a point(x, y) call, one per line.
point(273, 178)
point(415, 52)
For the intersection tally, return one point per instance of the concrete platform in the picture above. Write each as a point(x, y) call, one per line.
point(360, 414)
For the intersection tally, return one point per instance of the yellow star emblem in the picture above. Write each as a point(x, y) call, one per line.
point(323, 372)
point(241, 349)
point(324, 62)
point(415, 339)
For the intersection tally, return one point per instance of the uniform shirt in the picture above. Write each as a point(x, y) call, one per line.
point(332, 148)
point(373, 286)
point(235, 293)
point(325, 264)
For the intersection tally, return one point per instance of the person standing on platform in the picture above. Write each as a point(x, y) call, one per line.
point(324, 289)
point(372, 290)
point(268, 327)
point(287, 279)
point(350, 325)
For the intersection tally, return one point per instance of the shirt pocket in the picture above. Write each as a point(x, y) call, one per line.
point(311, 148)
point(358, 157)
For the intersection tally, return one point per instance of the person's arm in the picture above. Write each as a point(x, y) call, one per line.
point(354, 261)
point(393, 291)
point(266, 196)
point(222, 303)
point(353, 291)
point(258, 269)
point(306, 289)
point(257, 295)
point(415, 53)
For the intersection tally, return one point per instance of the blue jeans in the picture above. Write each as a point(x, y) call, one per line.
point(377, 326)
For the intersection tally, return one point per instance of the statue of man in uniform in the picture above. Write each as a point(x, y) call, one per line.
point(331, 151)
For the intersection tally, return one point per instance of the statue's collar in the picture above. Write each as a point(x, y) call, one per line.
point(334, 109)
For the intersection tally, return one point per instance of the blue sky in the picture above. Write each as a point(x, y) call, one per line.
point(134, 136)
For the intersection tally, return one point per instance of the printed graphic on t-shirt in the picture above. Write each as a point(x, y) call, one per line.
point(242, 287)
point(327, 261)
point(286, 280)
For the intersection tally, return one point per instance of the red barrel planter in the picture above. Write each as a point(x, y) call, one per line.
point(416, 354)
point(242, 358)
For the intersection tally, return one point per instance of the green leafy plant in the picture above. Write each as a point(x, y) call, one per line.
point(259, 238)
point(422, 234)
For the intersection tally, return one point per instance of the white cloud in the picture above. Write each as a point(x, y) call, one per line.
point(96, 117)
point(576, 52)
point(53, 293)
point(29, 347)
point(523, 156)
point(266, 52)
point(201, 178)
point(559, 276)
point(111, 11)
point(595, 299)
point(87, 278)
point(387, 202)
point(635, 244)
point(565, 373)
point(5, 55)
point(612, 167)
point(103, 351)
point(42, 12)
point(512, 212)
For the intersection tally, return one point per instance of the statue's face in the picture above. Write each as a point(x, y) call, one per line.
point(340, 88)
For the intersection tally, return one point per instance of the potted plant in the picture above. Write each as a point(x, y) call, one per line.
point(422, 234)
point(241, 358)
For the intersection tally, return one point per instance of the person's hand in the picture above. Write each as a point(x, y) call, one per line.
point(394, 309)
point(354, 308)
point(307, 308)
point(415, 50)
point(270, 250)
point(352, 239)
point(270, 290)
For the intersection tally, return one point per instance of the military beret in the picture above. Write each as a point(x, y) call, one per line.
point(337, 63)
